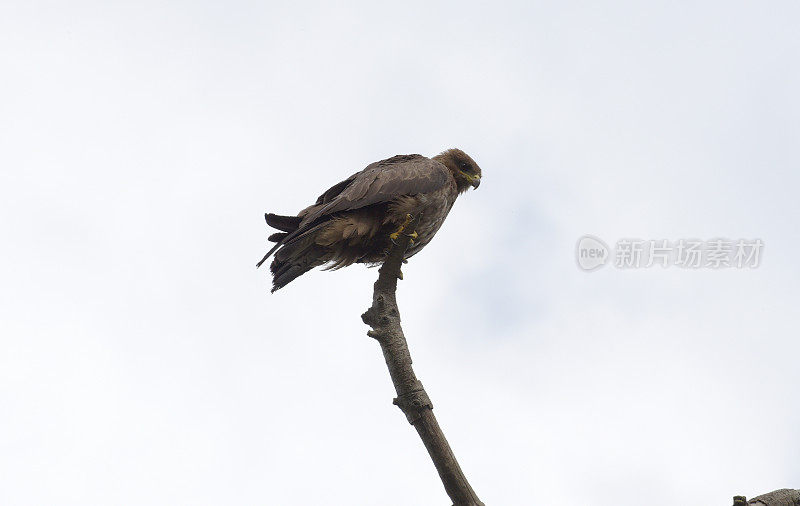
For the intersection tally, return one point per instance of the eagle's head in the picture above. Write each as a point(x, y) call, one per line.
point(464, 169)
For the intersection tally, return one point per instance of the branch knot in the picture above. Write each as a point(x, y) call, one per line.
point(413, 403)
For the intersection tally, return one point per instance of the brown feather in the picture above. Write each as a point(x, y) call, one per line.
point(352, 220)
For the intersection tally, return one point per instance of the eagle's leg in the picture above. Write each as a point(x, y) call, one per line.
point(413, 235)
point(394, 235)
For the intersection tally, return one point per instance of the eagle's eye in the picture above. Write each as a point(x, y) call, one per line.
point(464, 165)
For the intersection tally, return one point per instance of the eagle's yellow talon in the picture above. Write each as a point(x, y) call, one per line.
point(394, 235)
point(399, 274)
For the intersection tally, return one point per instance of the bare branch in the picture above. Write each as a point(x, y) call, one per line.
point(384, 318)
point(782, 497)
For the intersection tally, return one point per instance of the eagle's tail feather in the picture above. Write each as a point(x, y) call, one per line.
point(296, 256)
point(283, 223)
point(286, 224)
point(288, 273)
point(271, 251)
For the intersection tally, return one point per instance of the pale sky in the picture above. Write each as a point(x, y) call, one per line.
point(144, 362)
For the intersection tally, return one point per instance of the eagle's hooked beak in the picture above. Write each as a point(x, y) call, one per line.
point(475, 180)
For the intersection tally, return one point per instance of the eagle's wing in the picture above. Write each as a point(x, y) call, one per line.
point(380, 182)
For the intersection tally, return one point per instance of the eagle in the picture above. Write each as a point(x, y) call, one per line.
point(356, 220)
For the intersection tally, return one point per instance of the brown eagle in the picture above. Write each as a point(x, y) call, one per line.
point(355, 221)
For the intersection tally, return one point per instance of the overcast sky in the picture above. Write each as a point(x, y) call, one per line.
point(144, 362)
